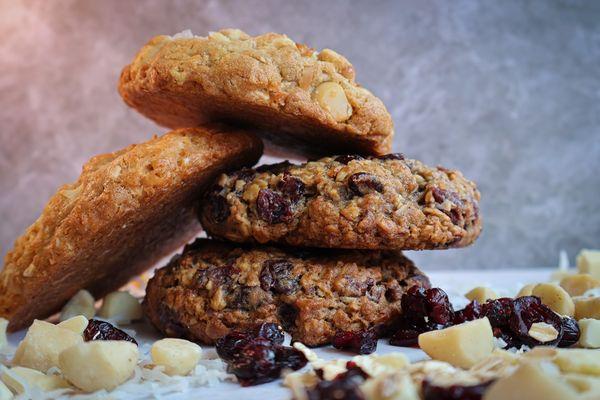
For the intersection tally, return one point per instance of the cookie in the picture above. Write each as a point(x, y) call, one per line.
point(215, 287)
point(127, 210)
point(286, 89)
point(352, 202)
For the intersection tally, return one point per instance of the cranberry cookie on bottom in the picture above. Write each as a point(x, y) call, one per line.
point(347, 201)
point(215, 287)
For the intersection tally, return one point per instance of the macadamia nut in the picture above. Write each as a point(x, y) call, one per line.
point(121, 307)
point(481, 294)
point(555, 297)
point(178, 356)
point(80, 304)
point(587, 307)
point(526, 290)
point(42, 345)
point(3, 325)
point(76, 324)
point(331, 98)
point(588, 262)
point(97, 365)
point(5, 393)
point(462, 345)
point(578, 284)
point(33, 377)
point(543, 332)
point(590, 333)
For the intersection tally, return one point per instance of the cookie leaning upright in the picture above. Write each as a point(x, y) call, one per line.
point(127, 210)
point(267, 81)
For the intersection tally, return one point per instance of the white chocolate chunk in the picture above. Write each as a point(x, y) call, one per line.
point(526, 290)
point(555, 298)
point(543, 332)
point(533, 380)
point(178, 356)
point(33, 378)
point(3, 325)
point(121, 307)
point(75, 324)
point(588, 262)
point(80, 304)
point(97, 365)
point(5, 393)
point(42, 345)
point(587, 307)
point(462, 345)
point(590, 333)
point(578, 284)
point(481, 294)
point(331, 98)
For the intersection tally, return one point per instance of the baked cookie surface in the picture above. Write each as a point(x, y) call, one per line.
point(288, 90)
point(127, 210)
point(353, 202)
point(215, 287)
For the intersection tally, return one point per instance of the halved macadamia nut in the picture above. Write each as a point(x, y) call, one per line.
point(331, 98)
point(121, 307)
point(526, 290)
point(80, 304)
point(533, 380)
point(590, 333)
point(462, 345)
point(578, 284)
point(178, 356)
point(42, 345)
point(32, 377)
point(587, 307)
point(555, 297)
point(97, 365)
point(481, 294)
point(588, 262)
point(543, 332)
point(75, 324)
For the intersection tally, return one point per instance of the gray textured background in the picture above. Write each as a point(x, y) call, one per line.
point(506, 91)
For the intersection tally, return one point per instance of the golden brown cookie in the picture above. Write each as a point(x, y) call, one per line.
point(126, 211)
point(215, 287)
point(348, 201)
point(287, 89)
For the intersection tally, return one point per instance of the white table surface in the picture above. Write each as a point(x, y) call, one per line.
point(455, 283)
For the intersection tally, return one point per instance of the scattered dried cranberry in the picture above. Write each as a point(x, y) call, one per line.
point(229, 345)
point(440, 310)
point(289, 357)
point(255, 363)
point(392, 156)
point(498, 311)
point(273, 207)
point(360, 342)
point(362, 183)
point(276, 276)
point(101, 330)
point(454, 392)
point(406, 337)
point(345, 159)
point(528, 310)
point(275, 168)
point(218, 208)
point(571, 332)
point(471, 312)
point(345, 386)
point(291, 187)
point(269, 330)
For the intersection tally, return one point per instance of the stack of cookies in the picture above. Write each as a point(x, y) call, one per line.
point(314, 247)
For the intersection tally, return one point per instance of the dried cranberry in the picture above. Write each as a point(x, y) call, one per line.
point(392, 156)
point(362, 183)
point(289, 357)
point(244, 174)
point(406, 337)
point(287, 315)
point(344, 386)
point(273, 207)
point(276, 276)
point(440, 310)
point(102, 330)
point(471, 312)
point(291, 187)
point(571, 332)
point(275, 168)
point(217, 208)
point(345, 159)
point(454, 392)
point(255, 363)
point(498, 311)
point(216, 275)
point(229, 345)
point(528, 310)
point(269, 330)
point(360, 342)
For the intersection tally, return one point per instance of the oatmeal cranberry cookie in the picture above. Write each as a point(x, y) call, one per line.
point(215, 287)
point(386, 202)
point(127, 210)
point(287, 89)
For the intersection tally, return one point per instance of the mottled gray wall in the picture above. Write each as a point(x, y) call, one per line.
point(506, 91)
